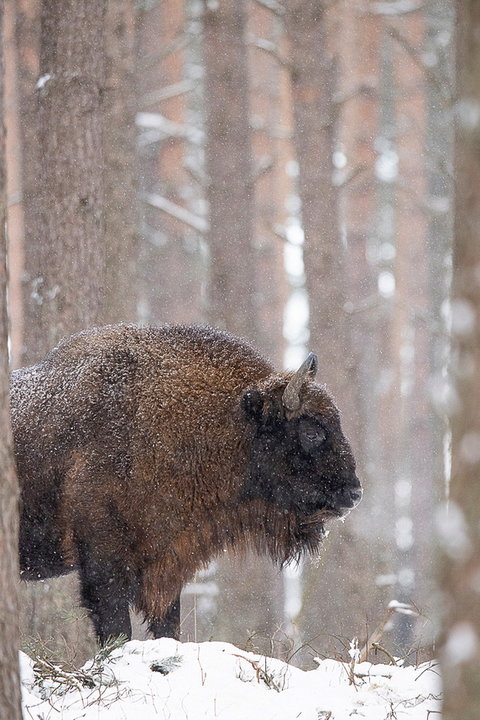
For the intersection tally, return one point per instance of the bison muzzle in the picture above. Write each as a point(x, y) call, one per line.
point(144, 452)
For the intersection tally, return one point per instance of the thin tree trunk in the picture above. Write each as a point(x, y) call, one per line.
point(250, 598)
point(172, 267)
point(339, 610)
point(119, 143)
point(270, 143)
point(314, 136)
point(459, 531)
point(232, 291)
point(9, 637)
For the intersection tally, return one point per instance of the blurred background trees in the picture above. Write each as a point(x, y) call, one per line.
point(282, 170)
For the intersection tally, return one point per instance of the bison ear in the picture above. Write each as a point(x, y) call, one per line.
point(252, 403)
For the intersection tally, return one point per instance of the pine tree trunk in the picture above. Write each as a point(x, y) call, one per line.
point(119, 143)
point(62, 80)
point(171, 262)
point(459, 531)
point(64, 254)
point(228, 154)
point(250, 598)
point(9, 637)
point(337, 611)
point(272, 149)
point(314, 135)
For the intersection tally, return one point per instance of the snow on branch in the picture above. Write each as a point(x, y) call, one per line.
point(271, 49)
point(196, 222)
point(157, 127)
point(167, 92)
point(272, 5)
point(400, 7)
point(443, 87)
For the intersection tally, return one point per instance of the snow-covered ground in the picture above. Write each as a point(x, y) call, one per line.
point(166, 679)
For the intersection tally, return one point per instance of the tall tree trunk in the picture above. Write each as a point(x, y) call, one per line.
point(459, 531)
point(357, 46)
point(61, 117)
point(312, 72)
point(65, 259)
point(272, 148)
point(119, 143)
point(232, 291)
point(172, 265)
point(9, 637)
point(250, 598)
point(313, 80)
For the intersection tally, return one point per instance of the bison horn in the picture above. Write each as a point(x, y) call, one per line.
point(307, 369)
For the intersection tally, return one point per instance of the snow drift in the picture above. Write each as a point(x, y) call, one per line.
point(171, 680)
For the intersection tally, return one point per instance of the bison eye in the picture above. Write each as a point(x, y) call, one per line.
point(315, 435)
point(311, 435)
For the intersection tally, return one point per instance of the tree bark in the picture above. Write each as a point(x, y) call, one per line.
point(172, 264)
point(64, 255)
point(338, 612)
point(312, 72)
point(62, 83)
point(272, 149)
point(459, 532)
point(120, 182)
point(9, 636)
point(228, 155)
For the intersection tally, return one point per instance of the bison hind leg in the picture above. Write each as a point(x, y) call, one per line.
point(106, 594)
point(169, 624)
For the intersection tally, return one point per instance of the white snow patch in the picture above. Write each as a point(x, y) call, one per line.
point(463, 317)
point(404, 532)
point(42, 81)
point(470, 447)
point(452, 531)
point(167, 679)
point(462, 644)
point(386, 166)
point(386, 284)
point(468, 113)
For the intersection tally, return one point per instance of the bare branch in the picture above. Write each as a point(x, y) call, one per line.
point(196, 222)
point(275, 7)
point(156, 127)
point(180, 42)
point(352, 175)
point(271, 49)
point(196, 172)
point(263, 166)
point(340, 99)
point(167, 92)
point(443, 87)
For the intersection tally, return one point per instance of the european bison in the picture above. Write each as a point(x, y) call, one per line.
point(144, 452)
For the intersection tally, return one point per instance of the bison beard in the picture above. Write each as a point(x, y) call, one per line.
point(144, 452)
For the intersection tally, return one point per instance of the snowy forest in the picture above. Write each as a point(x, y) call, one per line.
point(304, 174)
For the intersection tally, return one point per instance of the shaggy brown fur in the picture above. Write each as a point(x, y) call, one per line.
point(144, 452)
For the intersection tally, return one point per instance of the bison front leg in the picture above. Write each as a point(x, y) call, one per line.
point(169, 625)
point(105, 594)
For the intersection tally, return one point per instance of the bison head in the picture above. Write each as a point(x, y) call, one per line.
point(300, 459)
